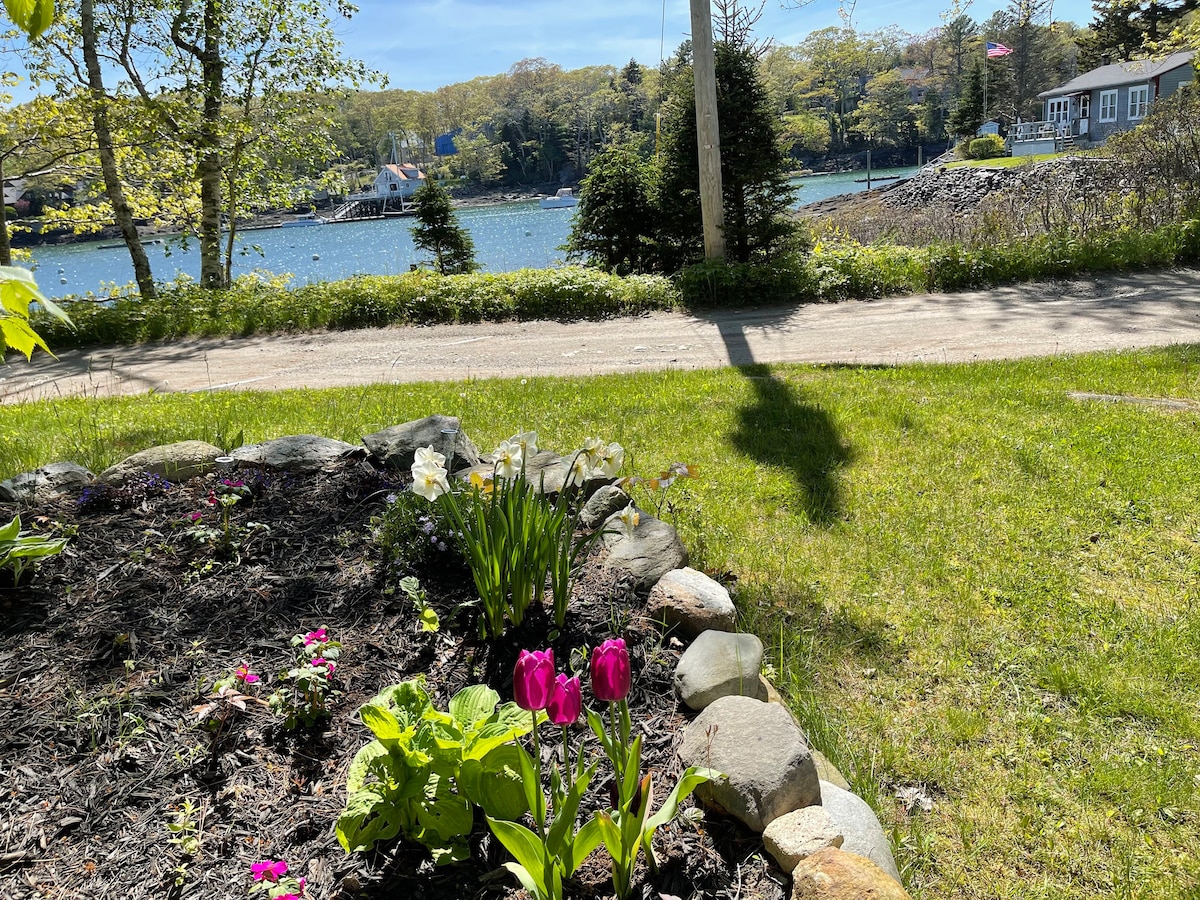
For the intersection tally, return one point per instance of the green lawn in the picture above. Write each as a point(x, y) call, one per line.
point(1004, 162)
point(968, 583)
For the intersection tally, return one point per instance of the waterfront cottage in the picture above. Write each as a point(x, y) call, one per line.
point(398, 180)
point(1089, 108)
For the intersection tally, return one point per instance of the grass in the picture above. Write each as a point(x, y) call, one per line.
point(967, 581)
point(1004, 162)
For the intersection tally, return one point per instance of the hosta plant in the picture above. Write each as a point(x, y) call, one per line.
point(22, 551)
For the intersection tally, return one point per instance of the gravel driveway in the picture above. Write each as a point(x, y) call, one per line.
point(1101, 313)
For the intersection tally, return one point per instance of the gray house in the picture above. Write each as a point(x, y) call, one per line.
point(1087, 109)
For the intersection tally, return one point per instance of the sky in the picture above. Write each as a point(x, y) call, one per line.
point(425, 44)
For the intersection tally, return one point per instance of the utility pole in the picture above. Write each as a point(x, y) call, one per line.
point(708, 135)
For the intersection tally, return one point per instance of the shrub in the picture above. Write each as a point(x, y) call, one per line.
point(987, 147)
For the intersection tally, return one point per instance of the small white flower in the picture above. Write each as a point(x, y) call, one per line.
point(428, 454)
point(577, 470)
point(508, 460)
point(527, 440)
point(630, 518)
point(429, 480)
point(594, 448)
point(610, 460)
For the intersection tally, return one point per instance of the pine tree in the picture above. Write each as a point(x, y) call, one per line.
point(968, 115)
point(614, 226)
point(438, 232)
point(757, 193)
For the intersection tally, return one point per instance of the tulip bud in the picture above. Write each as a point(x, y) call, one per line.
point(566, 701)
point(533, 679)
point(610, 671)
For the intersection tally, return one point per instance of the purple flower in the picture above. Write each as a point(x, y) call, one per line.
point(610, 671)
point(533, 678)
point(566, 701)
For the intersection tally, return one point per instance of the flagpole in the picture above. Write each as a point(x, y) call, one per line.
point(985, 79)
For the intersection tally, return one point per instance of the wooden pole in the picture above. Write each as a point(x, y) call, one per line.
point(708, 136)
point(868, 168)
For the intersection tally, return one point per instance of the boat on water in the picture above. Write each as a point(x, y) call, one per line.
point(563, 199)
point(304, 220)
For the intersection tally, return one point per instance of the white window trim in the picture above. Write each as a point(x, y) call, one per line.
point(1104, 95)
point(1137, 90)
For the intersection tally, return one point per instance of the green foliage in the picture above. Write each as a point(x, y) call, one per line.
point(252, 306)
point(437, 231)
point(31, 16)
point(614, 226)
point(17, 291)
point(988, 146)
point(23, 551)
point(415, 537)
point(969, 113)
point(425, 769)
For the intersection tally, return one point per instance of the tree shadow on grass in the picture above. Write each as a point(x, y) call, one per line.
point(781, 428)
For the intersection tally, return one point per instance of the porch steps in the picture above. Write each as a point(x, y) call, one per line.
point(1068, 142)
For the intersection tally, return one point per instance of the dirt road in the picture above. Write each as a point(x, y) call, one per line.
point(1103, 313)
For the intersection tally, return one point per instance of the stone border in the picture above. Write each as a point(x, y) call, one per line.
point(775, 782)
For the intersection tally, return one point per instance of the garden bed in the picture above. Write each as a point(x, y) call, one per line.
point(110, 648)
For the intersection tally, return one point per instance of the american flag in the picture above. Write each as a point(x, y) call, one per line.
point(995, 51)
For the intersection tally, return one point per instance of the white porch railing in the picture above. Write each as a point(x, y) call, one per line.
point(1036, 131)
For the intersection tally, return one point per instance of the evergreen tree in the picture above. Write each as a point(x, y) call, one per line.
point(438, 232)
point(757, 193)
point(968, 115)
point(614, 226)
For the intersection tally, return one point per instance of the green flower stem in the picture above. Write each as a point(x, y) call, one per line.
point(618, 756)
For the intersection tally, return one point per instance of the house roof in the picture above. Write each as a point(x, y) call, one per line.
point(405, 172)
point(1131, 72)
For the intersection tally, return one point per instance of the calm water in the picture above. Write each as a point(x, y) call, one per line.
point(507, 237)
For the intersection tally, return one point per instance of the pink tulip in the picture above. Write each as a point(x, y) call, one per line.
point(533, 679)
point(269, 869)
point(610, 671)
point(566, 701)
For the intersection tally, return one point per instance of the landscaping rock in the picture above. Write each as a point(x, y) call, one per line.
point(693, 602)
point(763, 753)
point(545, 470)
point(649, 553)
point(718, 664)
point(607, 500)
point(44, 483)
point(174, 462)
point(827, 771)
point(842, 875)
point(297, 453)
point(395, 447)
point(855, 819)
point(799, 834)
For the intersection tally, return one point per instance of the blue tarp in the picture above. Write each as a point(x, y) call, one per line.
point(443, 144)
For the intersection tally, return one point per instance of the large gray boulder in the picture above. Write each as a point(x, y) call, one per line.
point(647, 553)
point(607, 500)
point(692, 602)
point(395, 447)
point(545, 470)
point(174, 462)
point(297, 453)
point(855, 819)
point(44, 483)
point(763, 753)
point(719, 664)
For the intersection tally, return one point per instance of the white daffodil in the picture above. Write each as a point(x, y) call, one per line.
point(630, 518)
point(594, 448)
point(578, 470)
point(429, 480)
point(428, 454)
point(610, 459)
point(527, 441)
point(508, 460)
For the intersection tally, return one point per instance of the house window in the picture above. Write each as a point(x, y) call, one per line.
point(1139, 99)
point(1108, 106)
point(392, 186)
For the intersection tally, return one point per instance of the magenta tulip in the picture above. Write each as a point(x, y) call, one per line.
point(610, 671)
point(566, 701)
point(533, 679)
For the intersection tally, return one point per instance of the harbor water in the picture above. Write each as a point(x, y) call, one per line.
point(507, 237)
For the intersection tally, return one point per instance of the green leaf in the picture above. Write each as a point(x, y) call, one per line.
point(17, 334)
point(31, 16)
point(429, 620)
point(495, 784)
point(526, 849)
point(382, 723)
point(611, 835)
point(692, 778)
point(444, 815)
point(10, 531)
point(473, 704)
point(587, 839)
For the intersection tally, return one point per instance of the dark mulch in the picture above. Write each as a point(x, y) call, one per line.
point(101, 663)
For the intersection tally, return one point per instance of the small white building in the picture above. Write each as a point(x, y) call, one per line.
point(398, 181)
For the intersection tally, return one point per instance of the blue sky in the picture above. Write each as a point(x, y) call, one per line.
point(425, 44)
